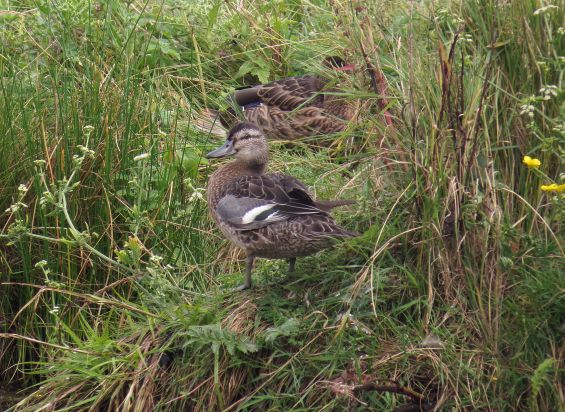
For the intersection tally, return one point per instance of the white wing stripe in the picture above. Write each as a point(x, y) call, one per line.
point(252, 214)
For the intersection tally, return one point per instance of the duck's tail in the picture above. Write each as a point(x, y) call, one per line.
point(208, 120)
point(342, 233)
point(327, 205)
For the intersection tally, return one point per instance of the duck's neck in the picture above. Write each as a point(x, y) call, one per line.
point(238, 168)
point(226, 173)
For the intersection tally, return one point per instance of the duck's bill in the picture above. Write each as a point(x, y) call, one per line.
point(225, 150)
point(346, 68)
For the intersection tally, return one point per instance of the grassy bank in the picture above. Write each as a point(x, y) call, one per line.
point(114, 281)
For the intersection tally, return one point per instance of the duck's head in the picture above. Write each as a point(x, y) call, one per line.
point(337, 63)
point(247, 143)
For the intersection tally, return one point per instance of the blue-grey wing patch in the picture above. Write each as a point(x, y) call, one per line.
point(247, 213)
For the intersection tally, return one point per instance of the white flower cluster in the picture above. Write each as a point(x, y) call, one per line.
point(446, 16)
point(548, 92)
point(19, 205)
point(197, 192)
point(156, 260)
point(467, 37)
point(141, 156)
point(16, 207)
point(560, 128)
point(527, 109)
point(196, 195)
point(86, 151)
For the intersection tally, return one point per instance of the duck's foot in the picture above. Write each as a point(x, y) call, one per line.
point(240, 288)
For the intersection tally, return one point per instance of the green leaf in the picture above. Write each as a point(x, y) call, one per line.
point(213, 15)
point(288, 328)
point(262, 74)
point(244, 69)
point(214, 336)
point(539, 376)
point(189, 161)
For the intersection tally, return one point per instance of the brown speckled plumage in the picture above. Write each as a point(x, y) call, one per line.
point(294, 107)
point(268, 215)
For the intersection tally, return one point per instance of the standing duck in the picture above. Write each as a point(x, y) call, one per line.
point(291, 108)
point(268, 215)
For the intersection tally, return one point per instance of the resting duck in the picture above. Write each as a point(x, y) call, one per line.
point(268, 215)
point(291, 108)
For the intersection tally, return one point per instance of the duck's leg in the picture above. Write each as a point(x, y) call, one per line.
point(248, 268)
point(291, 263)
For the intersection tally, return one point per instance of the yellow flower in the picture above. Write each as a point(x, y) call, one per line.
point(531, 163)
point(549, 188)
point(553, 188)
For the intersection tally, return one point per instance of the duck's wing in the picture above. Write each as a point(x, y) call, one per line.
point(287, 94)
point(252, 202)
point(293, 92)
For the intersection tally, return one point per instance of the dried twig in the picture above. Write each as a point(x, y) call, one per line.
point(378, 80)
point(392, 387)
point(52, 345)
point(475, 130)
point(348, 383)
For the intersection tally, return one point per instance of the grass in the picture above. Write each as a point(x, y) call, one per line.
point(113, 278)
